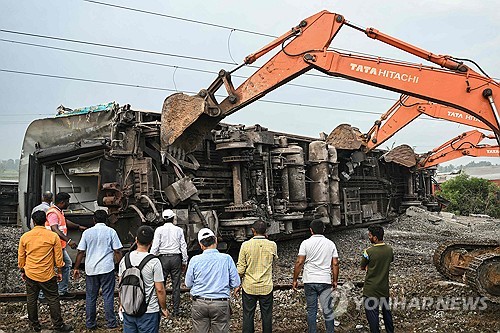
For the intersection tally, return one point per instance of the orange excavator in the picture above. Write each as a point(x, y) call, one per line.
point(466, 144)
point(187, 119)
point(403, 112)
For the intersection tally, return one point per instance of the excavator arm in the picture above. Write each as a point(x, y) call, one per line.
point(187, 119)
point(403, 112)
point(466, 144)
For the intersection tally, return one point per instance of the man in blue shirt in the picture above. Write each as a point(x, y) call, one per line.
point(101, 246)
point(211, 276)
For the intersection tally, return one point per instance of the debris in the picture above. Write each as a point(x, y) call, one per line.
point(447, 215)
point(449, 283)
point(422, 213)
point(480, 215)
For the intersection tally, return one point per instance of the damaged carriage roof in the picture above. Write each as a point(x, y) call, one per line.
point(63, 111)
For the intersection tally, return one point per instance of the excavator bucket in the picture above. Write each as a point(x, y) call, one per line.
point(345, 136)
point(185, 121)
point(403, 155)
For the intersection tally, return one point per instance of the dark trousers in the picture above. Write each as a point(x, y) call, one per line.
point(372, 305)
point(266, 312)
point(93, 283)
point(172, 266)
point(49, 288)
point(315, 292)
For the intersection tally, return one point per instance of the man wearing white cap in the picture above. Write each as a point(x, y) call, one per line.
point(211, 276)
point(169, 244)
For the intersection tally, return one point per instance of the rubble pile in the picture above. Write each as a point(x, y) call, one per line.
point(414, 283)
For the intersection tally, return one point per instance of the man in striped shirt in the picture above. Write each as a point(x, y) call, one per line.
point(255, 267)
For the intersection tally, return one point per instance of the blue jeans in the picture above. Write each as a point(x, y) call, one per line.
point(147, 323)
point(63, 285)
point(93, 283)
point(313, 292)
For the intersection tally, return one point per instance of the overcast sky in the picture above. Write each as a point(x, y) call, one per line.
point(465, 29)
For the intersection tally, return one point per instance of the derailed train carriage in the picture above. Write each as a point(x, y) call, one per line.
point(110, 156)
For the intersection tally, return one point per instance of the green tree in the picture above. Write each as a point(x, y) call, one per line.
point(471, 195)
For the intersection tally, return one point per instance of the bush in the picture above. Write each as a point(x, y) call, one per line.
point(469, 195)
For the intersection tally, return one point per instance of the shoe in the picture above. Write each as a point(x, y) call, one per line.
point(64, 328)
point(67, 295)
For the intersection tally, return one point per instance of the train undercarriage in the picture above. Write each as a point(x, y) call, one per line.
point(111, 156)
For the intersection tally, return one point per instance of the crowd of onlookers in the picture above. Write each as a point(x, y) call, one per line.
point(212, 277)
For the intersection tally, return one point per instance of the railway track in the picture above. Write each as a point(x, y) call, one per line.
point(79, 295)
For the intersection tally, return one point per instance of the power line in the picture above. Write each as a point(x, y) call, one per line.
point(183, 67)
point(26, 114)
point(86, 80)
point(226, 27)
point(143, 51)
point(115, 47)
point(190, 92)
point(180, 18)
point(172, 90)
point(208, 24)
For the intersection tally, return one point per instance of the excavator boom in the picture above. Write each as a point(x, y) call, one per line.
point(186, 119)
point(466, 144)
point(408, 109)
point(403, 112)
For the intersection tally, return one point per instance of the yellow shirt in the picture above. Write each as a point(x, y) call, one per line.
point(255, 265)
point(39, 249)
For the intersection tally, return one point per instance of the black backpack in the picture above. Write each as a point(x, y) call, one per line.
point(132, 288)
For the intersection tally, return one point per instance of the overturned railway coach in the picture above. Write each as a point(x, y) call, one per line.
point(110, 156)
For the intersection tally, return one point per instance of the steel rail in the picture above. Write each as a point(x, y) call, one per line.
point(79, 295)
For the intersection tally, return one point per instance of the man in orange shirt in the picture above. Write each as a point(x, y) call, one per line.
point(57, 222)
point(39, 249)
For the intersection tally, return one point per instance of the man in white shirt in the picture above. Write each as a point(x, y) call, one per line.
point(318, 255)
point(169, 244)
point(44, 206)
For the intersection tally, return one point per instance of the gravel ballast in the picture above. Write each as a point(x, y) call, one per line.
point(413, 280)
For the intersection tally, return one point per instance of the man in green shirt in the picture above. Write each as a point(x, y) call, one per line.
point(376, 261)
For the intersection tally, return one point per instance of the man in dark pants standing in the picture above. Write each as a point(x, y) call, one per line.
point(376, 261)
point(170, 246)
point(101, 247)
point(39, 249)
point(255, 267)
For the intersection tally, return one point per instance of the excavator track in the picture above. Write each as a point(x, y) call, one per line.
point(442, 255)
point(483, 276)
